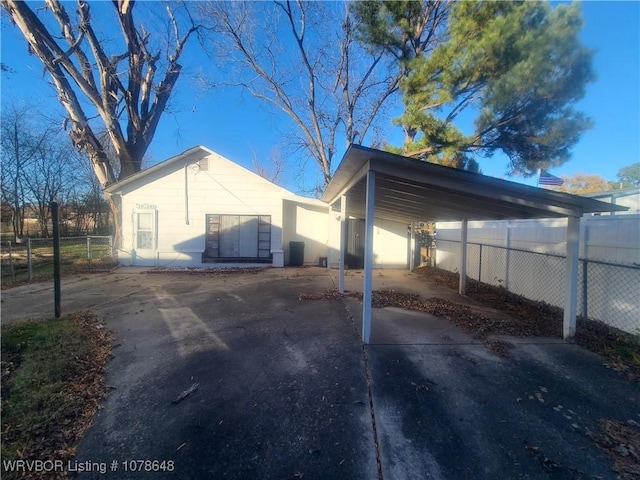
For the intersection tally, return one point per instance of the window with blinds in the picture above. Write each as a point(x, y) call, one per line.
point(237, 238)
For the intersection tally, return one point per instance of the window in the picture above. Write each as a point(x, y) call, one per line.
point(237, 238)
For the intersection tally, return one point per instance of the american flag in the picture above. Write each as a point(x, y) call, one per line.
point(547, 179)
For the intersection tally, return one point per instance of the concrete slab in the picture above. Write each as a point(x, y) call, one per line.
point(285, 386)
point(395, 326)
point(448, 412)
point(409, 282)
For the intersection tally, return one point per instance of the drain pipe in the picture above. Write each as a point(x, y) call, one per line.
point(186, 194)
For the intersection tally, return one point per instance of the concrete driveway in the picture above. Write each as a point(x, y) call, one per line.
point(287, 391)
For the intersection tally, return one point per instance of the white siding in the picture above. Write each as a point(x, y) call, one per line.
point(389, 243)
point(629, 197)
point(223, 188)
point(182, 194)
point(308, 224)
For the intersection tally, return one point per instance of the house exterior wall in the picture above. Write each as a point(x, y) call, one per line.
point(165, 214)
point(390, 243)
point(308, 224)
point(627, 197)
point(182, 194)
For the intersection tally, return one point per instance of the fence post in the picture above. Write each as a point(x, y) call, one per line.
point(29, 264)
point(13, 273)
point(508, 256)
point(111, 246)
point(56, 259)
point(89, 249)
point(585, 289)
point(480, 267)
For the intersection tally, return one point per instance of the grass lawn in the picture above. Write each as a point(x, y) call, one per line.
point(52, 383)
point(73, 259)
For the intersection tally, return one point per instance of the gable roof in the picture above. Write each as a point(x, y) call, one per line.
point(200, 150)
point(407, 190)
point(158, 166)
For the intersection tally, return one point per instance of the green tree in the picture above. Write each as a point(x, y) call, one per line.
point(628, 176)
point(517, 67)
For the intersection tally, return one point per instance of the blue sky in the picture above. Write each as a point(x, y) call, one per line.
point(241, 128)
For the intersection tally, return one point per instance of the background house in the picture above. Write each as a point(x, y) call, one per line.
point(199, 209)
point(626, 197)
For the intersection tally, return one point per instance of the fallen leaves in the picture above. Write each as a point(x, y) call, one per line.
point(461, 315)
point(532, 318)
point(621, 349)
point(206, 271)
point(50, 429)
point(498, 347)
point(622, 442)
point(326, 295)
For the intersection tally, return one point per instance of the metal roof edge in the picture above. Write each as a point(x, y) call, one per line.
point(357, 155)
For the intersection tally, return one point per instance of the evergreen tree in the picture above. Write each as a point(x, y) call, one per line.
point(517, 67)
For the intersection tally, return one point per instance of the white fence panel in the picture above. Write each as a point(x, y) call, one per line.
point(527, 258)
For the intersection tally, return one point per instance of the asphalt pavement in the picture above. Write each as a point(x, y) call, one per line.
point(284, 389)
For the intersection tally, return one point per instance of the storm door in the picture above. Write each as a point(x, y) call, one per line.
point(144, 237)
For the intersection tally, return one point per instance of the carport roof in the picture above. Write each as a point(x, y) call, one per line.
point(407, 189)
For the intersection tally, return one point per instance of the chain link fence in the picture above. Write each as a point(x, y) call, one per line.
point(32, 259)
point(607, 292)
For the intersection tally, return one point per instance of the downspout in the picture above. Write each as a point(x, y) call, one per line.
point(186, 194)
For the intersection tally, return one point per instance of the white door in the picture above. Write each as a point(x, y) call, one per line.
point(144, 237)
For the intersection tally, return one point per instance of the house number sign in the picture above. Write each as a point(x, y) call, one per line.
point(146, 206)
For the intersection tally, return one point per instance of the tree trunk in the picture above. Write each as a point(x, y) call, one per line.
point(115, 206)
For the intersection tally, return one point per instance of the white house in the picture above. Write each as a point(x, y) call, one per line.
point(199, 209)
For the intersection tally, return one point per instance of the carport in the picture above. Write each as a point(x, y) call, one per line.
point(370, 184)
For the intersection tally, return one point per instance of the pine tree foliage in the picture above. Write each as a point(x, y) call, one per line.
point(516, 68)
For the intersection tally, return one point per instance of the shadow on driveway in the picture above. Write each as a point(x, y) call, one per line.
point(286, 388)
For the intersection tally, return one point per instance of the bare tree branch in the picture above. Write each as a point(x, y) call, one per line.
point(129, 99)
point(327, 92)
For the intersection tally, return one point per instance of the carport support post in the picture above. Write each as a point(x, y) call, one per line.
point(412, 249)
point(343, 242)
point(329, 230)
point(571, 278)
point(368, 258)
point(462, 286)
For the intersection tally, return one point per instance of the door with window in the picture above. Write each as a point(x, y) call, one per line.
point(144, 237)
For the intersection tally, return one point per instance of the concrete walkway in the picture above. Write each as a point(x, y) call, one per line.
point(286, 390)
